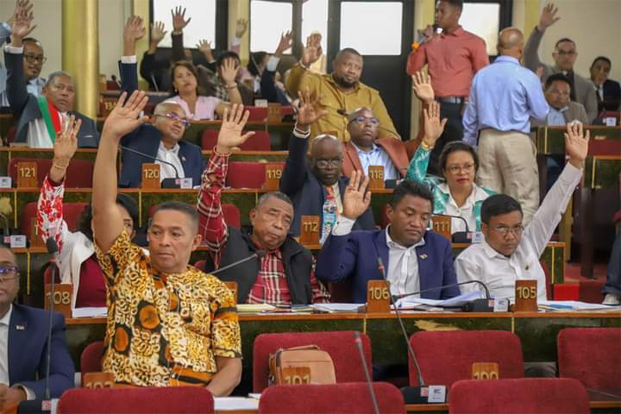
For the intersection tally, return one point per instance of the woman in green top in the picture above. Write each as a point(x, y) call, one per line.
point(455, 193)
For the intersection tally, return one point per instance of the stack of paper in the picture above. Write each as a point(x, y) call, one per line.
point(236, 404)
point(255, 307)
point(339, 307)
point(573, 305)
point(89, 312)
point(412, 302)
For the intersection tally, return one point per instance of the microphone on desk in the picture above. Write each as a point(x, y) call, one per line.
point(166, 182)
point(476, 305)
point(257, 254)
point(458, 236)
point(52, 248)
point(365, 368)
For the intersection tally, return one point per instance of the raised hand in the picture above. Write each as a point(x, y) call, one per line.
point(124, 118)
point(66, 142)
point(134, 29)
point(356, 199)
point(19, 6)
point(308, 112)
point(204, 47)
point(240, 27)
point(577, 144)
point(229, 71)
point(312, 51)
point(22, 25)
point(230, 135)
point(178, 19)
point(157, 32)
point(433, 126)
point(286, 42)
point(421, 85)
point(548, 17)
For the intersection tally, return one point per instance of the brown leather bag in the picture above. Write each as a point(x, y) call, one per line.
point(301, 365)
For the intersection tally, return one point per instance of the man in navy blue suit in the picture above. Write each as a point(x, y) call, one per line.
point(413, 258)
point(23, 344)
point(162, 138)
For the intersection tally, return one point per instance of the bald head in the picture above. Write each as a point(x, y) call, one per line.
point(169, 118)
point(327, 159)
point(511, 42)
point(167, 106)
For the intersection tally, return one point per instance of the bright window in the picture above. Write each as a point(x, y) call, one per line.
point(202, 26)
point(372, 28)
point(268, 21)
point(315, 19)
point(482, 19)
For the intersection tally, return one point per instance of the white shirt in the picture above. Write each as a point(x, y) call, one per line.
point(466, 210)
point(498, 272)
point(4, 354)
point(402, 272)
point(172, 156)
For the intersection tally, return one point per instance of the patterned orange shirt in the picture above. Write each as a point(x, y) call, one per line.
point(164, 329)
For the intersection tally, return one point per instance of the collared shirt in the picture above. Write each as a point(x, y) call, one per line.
point(214, 230)
point(339, 104)
point(452, 60)
point(504, 97)
point(498, 272)
point(467, 210)
point(35, 86)
point(172, 156)
point(164, 329)
point(5, 323)
point(556, 117)
point(403, 274)
point(377, 156)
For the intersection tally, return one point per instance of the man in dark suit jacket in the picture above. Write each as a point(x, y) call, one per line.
point(607, 92)
point(412, 258)
point(163, 135)
point(23, 331)
point(310, 187)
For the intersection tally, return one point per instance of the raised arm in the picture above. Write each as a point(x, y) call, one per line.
point(50, 205)
point(300, 77)
point(434, 127)
point(229, 73)
point(212, 225)
point(14, 59)
point(269, 90)
point(417, 59)
point(124, 118)
point(179, 23)
point(531, 50)
point(133, 31)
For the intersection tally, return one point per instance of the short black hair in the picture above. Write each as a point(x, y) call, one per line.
point(565, 39)
point(456, 146)
point(347, 50)
point(557, 77)
point(185, 208)
point(226, 54)
point(604, 58)
point(497, 205)
point(276, 194)
point(413, 188)
point(255, 60)
point(125, 200)
point(456, 3)
point(31, 39)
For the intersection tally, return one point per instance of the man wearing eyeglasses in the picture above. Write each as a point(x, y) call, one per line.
point(511, 251)
point(40, 114)
point(365, 149)
point(161, 139)
point(316, 189)
point(23, 344)
point(564, 55)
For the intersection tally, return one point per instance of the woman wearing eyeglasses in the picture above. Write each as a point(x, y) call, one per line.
point(455, 193)
point(198, 107)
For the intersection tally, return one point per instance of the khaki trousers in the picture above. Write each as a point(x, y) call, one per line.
point(508, 165)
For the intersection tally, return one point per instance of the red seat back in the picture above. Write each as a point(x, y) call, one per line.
point(518, 396)
point(47, 273)
point(591, 355)
point(79, 173)
point(71, 214)
point(260, 141)
point(147, 400)
point(11, 134)
point(232, 215)
point(90, 360)
point(339, 344)
point(447, 356)
point(257, 113)
point(333, 398)
point(245, 174)
point(549, 286)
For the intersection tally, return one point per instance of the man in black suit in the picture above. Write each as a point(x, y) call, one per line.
point(40, 118)
point(608, 92)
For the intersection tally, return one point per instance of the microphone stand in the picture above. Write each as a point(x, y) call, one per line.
point(459, 236)
point(52, 248)
point(167, 182)
point(258, 254)
point(365, 368)
point(476, 305)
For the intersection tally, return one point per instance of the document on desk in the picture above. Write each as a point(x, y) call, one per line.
point(254, 307)
point(338, 307)
point(235, 404)
point(89, 312)
point(574, 305)
point(412, 302)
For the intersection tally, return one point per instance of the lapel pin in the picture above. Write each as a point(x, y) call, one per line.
point(527, 267)
point(423, 256)
point(20, 327)
point(183, 158)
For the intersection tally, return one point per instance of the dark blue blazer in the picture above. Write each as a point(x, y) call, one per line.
point(308, 194)
point(146, 139)
point(355, 255)
point(28, 329)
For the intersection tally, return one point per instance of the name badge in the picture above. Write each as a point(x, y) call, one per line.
point(477, 237)
point(18, 241)
point(501, 305)
point(610, 121)
point(185, 183)
point(6, 182)
point(437, 394)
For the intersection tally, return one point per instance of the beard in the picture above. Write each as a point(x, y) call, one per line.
point(342, 82)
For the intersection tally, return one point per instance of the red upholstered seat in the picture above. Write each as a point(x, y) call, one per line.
point(11, 134)
point(245, 174)
point(260, 141)
point(230, 211)
point(71, 213)
point(352, 398)
point(79, 173)
point(339, 344)
point(148, 400)
point(445, 357)
point(591, 355)
point(549, 285)
point(47, 272)
point(90, 360)
point(519, 396)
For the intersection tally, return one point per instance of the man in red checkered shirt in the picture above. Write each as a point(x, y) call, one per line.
point(285, 274)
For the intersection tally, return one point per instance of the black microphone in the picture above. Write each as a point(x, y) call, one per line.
point(257, 254)
point(52, 248)
point(411, 395)
point(365, 368)
point(476, 305)
point(167, 182)
point(458, 236)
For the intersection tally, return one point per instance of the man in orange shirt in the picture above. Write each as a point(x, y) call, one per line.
point(453, 57)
